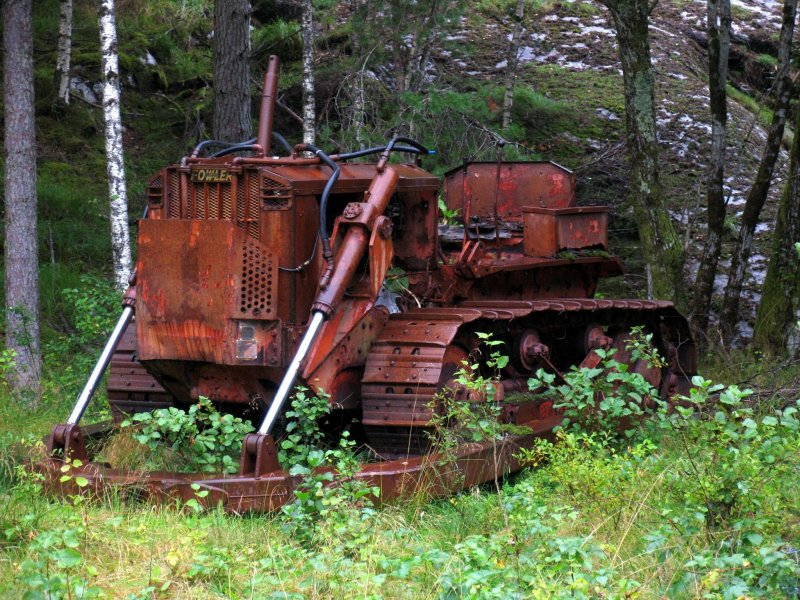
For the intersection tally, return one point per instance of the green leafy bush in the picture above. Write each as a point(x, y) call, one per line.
point(469, 411)
point(55, 566)
point(198, 440)
point(328, 490)
point(607, 399)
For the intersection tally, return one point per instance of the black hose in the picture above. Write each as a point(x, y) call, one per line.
point(390, 147)
point(376, 150)
point(327, 254)
point(205, 143)
point(248, 145)
point(282, 141)
point(232, 149)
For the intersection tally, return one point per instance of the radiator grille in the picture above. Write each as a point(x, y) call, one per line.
point(155, 191)
point(276, 194)
point(252, 207)
point(237, 200)
point(174, 194)
point(257, 281)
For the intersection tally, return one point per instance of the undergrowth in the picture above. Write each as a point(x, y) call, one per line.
point(701, 506)
point(698, 500)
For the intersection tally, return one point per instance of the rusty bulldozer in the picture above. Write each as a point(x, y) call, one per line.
point(259, 269)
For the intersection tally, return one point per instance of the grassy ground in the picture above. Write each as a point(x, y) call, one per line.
point(690, 510)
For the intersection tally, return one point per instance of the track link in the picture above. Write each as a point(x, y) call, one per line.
point(417, 352)
point(130, 387)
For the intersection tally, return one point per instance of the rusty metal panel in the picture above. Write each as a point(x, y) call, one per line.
point(183, 290)
point(550, 230)
point(206, 291)
point(543, 184)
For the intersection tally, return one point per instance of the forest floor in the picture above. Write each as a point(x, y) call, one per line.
point(688, 506)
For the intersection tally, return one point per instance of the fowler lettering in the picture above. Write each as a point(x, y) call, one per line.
point(211, 175)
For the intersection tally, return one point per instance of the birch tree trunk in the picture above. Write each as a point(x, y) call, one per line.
point(663, 251)
point(776, 329)
point(512, 61)
point(232, 70)
point(61, 78)
point(120, 235)
point(719, 43)
point(760, 188)
point(22, 273)
point(309, 106)
point(359, 23)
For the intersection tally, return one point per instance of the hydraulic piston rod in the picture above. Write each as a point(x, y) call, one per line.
point(282, 394)
point(105, 357)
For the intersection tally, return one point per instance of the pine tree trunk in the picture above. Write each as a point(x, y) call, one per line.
point(22, 273)
point(662, 247)
point(776, 329)
point(61, 78)
point(232, 70)
point(719, 41)
point(512, 61)
point(760, 188)
point(120, 235)
point(309, 105)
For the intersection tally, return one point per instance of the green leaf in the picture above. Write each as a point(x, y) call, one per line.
point(81, 482)
point(67, 557)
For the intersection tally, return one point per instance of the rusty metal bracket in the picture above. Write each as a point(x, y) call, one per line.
point(67, 438)
point(259, 455)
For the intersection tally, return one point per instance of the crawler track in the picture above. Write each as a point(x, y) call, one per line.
point(418, 351)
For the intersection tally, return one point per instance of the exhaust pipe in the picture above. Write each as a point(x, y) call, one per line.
point(268, 98)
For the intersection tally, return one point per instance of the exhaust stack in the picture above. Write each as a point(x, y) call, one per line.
point(268, 98)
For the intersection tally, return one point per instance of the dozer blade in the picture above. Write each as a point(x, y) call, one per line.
point(429, 475)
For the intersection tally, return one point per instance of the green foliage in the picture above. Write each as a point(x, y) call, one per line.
point(605, 400)
point(396, 280)
point(55, 566)
point(8, 363)
point(303, 434)
point(279, 37)
point(447, 216)
point(532, 107)
point(727, 448)
point(198, 440)
point(328, 491)
point(762, 112)
point(469, 411)
point(90, 312)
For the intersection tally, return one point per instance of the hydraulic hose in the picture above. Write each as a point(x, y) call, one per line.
point(327, 254)
point(390, 147)
point(282, 141)
point(206, 143)
point(377, 149)
point(237, 148)
point(250, 145)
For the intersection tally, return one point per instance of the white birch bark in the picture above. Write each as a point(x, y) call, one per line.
point(309, 106)
point(120, 235)
point(64, 52)
point(512, 60)
point(358, 117)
